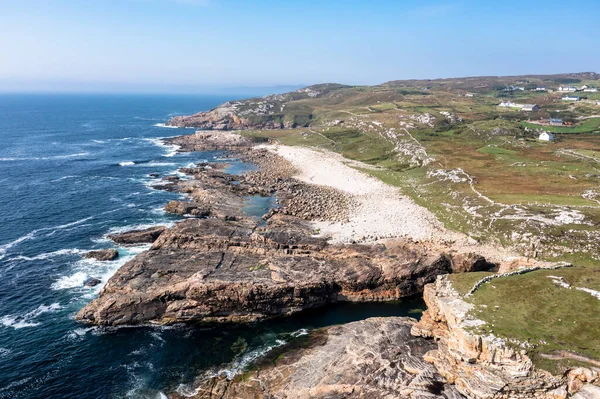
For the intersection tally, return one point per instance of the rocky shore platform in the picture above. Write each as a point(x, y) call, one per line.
point(372, 358)
point(220, 265)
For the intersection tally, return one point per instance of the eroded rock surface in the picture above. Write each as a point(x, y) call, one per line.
point(213, 270)
point(373, 358)
point(102, 254)
point(486, 366)
point(132, 237)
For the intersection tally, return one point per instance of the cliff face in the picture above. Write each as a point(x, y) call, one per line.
point(212, 270)
point(486, 366)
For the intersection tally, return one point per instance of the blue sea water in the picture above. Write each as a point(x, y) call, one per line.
point(74, 168)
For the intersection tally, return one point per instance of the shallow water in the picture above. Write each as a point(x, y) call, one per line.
point(72, 170)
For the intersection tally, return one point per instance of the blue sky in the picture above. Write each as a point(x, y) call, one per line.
point(196, 45)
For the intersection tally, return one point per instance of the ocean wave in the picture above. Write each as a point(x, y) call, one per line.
point(165, 126)
point(4, 352)
point(5, 247)
point(27, 320)
point(80, 154)
point(49, 255)
point(172, 149)
point(102, 270)
point(126, 163)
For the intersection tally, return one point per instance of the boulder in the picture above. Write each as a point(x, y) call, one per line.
point(102, 254)
point(138, 236)
point(91, 282)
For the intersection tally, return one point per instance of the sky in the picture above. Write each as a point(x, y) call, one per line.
point(212, 45)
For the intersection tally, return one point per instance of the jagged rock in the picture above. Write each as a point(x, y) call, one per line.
point(102, 254)
point(479, 366)
point(91, 282)
point(373, 358)
point(212, 270)
point(469, 262)
point(588, 391)
point(138, 236)
point(187, 208)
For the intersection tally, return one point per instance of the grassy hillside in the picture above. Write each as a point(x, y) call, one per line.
point(481, 170)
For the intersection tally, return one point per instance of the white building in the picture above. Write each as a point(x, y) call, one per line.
point(570, 98)
point(530, 107)
point(591, 90)
point(540, 89)
point(546, 136)
point(567, 88)
point(508, 104)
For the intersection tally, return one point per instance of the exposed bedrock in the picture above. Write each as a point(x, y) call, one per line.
point(132, 237)
point(102, 254)
point(373, 358)
point(212, 270)
point(487, 367)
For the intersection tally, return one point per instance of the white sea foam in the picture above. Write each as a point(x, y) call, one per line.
point(49, 255)
point(27, 320)
point(80, 154)
point(53, 229)
point(86, 268)
point(172, 149)
point(32, 234)
point(127, 163)
point(165, 126)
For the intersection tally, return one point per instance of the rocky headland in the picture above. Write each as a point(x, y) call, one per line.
point(313, 248)
point(223, 266)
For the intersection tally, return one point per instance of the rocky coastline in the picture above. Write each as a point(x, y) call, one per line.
point(220, 265)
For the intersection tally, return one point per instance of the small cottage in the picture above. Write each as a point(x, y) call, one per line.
point(570, 98)
point(546, 136)
point(530, 107)
point(556, 122)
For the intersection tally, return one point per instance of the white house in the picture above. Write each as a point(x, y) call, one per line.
point(469, 95)
point(591, 90)
point(546, 136)
point(567, 88)
point(507, 104)
point(530, 107)
point(540, 89)
point(570, 98)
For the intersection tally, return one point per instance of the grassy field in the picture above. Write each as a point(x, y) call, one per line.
point(557, 319)
point(591, 125)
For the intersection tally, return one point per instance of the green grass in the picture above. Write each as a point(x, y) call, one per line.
point(532, 309)
point(493, 150)
point(587, 126)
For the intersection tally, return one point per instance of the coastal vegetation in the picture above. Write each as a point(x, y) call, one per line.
point(482, 171)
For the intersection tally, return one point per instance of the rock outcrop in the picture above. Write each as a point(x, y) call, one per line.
point(268, 112)
point(102, 254)
point(215, 270)
point(373, 358)
point(146, 236)
point(485, 367)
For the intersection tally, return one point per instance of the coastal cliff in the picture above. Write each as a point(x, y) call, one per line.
point(488, 366)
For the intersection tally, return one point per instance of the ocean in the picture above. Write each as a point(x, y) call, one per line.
point(74, 168)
